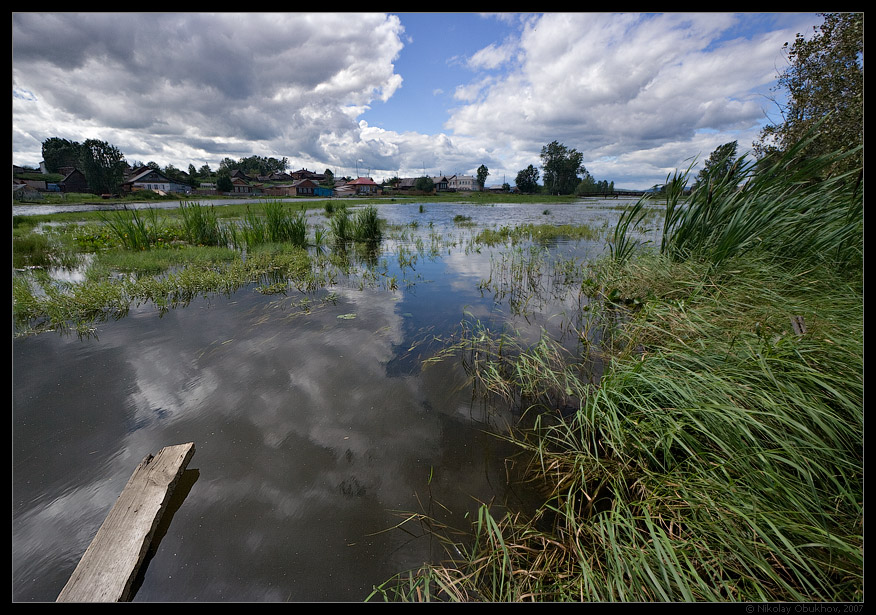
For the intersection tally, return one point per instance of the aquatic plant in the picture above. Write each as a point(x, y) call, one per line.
point(367, 226)
point(341, 226)
point(285, 226)
point(543, 233)
point(785, 204)
point(363, 226)
point(719, 457)
point(200, 225)
point(279, 224)
point(133, 231)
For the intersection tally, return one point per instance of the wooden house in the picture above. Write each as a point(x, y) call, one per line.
point(147, 178)
point(364, 185)
point(74, 181)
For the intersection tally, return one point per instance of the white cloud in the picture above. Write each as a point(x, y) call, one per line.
point(606, 84)
point(492, 56)
point(180, 88)
point(200, 81)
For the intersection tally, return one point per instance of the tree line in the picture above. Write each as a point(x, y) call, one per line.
point(104, 165)
point(563, 173)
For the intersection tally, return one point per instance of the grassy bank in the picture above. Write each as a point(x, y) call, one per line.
point(720, 455)
point(168, 257)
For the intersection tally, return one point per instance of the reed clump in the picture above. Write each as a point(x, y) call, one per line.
point(363, 226)
point(720, 455)
point(279, 223)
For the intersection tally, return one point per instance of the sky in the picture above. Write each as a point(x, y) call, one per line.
point(406, 94)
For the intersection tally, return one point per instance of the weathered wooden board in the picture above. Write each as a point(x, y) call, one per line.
point(109, 566)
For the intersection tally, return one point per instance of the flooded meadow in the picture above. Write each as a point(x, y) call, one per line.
point(333, 424)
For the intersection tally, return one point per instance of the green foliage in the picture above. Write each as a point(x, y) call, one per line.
point(59, 153)
point(589, 185)
point(721, 162)
point(367, 226)
point(200, 226)
point(280, 224)
point(223, 181)
point(103, 165)
point(132, 230)
point(482, 174)
point(364, 226)
point(542, 233)
point(527, 180)
point(561, 167)
point(31, 250)
point(341, 226)
point(255, 165)
point(424, 184)
point(824, 83)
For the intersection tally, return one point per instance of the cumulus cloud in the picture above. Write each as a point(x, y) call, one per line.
point(265, 83)
point(192, 87)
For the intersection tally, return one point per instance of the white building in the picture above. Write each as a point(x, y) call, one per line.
point(462, 182)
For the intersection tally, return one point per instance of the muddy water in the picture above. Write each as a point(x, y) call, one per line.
point(317, 429)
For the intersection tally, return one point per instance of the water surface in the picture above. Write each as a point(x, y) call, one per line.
point(316, 426)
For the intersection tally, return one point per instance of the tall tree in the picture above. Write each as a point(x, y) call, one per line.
point(527, 180)
point(59, 153)
point(824, 81)
point(719, 164)
point(482, 174)
point(223, 180)
point(103, 165)
point(561, 167)
point(424, 184)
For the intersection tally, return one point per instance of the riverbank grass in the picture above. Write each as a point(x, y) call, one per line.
point(720, 455)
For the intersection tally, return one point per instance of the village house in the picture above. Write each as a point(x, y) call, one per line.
point(239, 185)
point(74, 181)
point(462, 182)
point(305, 187)
point(305, 174)
point(147, 178)
point(441, 183)
point(364, 185)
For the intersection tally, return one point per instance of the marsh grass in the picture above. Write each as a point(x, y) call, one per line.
point(363, 226)
point(31, 250)
point(42, 304)
point(200, 225)
point(720, 455)
point(541, 233)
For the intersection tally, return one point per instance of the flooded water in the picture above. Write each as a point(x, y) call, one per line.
point(317, 428)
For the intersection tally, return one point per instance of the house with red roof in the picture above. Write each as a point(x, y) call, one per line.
point(364, 185)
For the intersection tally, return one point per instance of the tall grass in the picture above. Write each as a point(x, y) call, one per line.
point(784, 204)
point(720, 455)
point(133, 230)
point(200, 225)
point(279, 224)
point(364, 226)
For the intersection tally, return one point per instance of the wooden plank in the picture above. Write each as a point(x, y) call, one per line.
point(107, 570)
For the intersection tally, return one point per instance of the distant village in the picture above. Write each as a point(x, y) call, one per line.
point(296, 183)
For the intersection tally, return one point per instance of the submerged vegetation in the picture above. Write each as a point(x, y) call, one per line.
point(169, 257)
point(719, 457)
